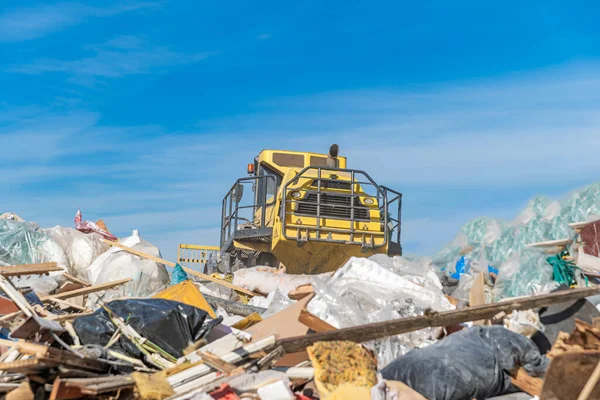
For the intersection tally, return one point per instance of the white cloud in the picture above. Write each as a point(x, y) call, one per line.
point(34, 22)
point(121, 56)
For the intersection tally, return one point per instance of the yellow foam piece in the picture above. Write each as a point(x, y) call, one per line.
point(152, 387)
point(348, 391)
point(339, 363)
point(187, 293)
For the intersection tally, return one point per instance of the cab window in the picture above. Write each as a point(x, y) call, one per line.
point(267, 194)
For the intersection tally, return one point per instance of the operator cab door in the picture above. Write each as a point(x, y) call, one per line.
point(265, 196)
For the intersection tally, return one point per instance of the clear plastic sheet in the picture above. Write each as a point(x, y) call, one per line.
point(147, 276)
point(26, 243)
point(525, 274)
point(365, 291)
point(275, 302)
point(471, 364)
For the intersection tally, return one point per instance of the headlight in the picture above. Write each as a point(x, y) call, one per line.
point(369, 201)
point(296, 195)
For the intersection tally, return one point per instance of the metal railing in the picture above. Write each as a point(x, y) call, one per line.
point(196, 257)
point(347, 207)
point(234, 211)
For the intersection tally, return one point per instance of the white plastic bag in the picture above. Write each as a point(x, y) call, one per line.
point(80, 249)
point(147, 276)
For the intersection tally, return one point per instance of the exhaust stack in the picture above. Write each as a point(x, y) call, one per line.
point(332, 156)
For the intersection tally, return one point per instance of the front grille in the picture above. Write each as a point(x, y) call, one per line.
point(332, 206)
point(327, 184)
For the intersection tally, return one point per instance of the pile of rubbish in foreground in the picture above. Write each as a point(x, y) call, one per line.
point(503, 312)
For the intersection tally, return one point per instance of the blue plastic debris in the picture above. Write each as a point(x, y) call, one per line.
point(178, 275)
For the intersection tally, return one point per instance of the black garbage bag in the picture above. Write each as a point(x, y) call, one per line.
point(471, 364)
point(170, 325)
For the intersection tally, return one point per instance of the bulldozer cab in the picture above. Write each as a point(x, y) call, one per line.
point(308, 212)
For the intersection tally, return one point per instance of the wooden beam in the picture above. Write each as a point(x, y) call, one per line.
point(189, 271)
point(365, 333)
point(86, 290)
point(30, 269)
point(76, 280)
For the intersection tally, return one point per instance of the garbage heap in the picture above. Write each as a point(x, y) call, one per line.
point(86, 314)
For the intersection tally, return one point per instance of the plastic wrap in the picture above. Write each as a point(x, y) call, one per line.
point(526, 323)
point(525, 274)
point(170, 325)
point(267, 279)
point(147, 276)
point(275, 302)
point(80, 249)
point(365, 291)
point(540, 220)
point(473, 363)
point(26, 243)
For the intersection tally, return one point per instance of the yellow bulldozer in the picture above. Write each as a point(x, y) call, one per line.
point(306, 212)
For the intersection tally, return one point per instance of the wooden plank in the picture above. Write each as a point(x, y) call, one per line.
point(30, 269)
point(68, 317)
point(216, 362)
point(61, 390)
point(66, 303)
point(221, 282)
point(527, 383)
point(365, 333)
point(551, 243)
point(76, 280)
point(477, 295)
point(189, 271)
point(314, 323)
point(86, 290)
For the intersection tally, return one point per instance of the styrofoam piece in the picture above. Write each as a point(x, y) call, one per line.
point(279, 390)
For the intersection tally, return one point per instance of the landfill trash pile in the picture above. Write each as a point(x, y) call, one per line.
point(86, 314)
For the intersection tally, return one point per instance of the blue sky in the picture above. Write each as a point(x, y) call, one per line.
point(143, 113)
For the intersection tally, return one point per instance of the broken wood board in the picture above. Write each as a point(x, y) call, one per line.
point(216, 362)
point(368, 332)
point(568, 374)
point(30, 269)
point(187, 270)
point(87, 290)
point(527, 383)
point(301, 291)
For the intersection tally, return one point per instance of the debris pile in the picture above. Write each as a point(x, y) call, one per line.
point(85, 314)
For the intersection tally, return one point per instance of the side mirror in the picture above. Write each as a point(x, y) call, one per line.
point(238, 192)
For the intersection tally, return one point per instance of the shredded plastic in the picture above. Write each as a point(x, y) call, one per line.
point(380, 289)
